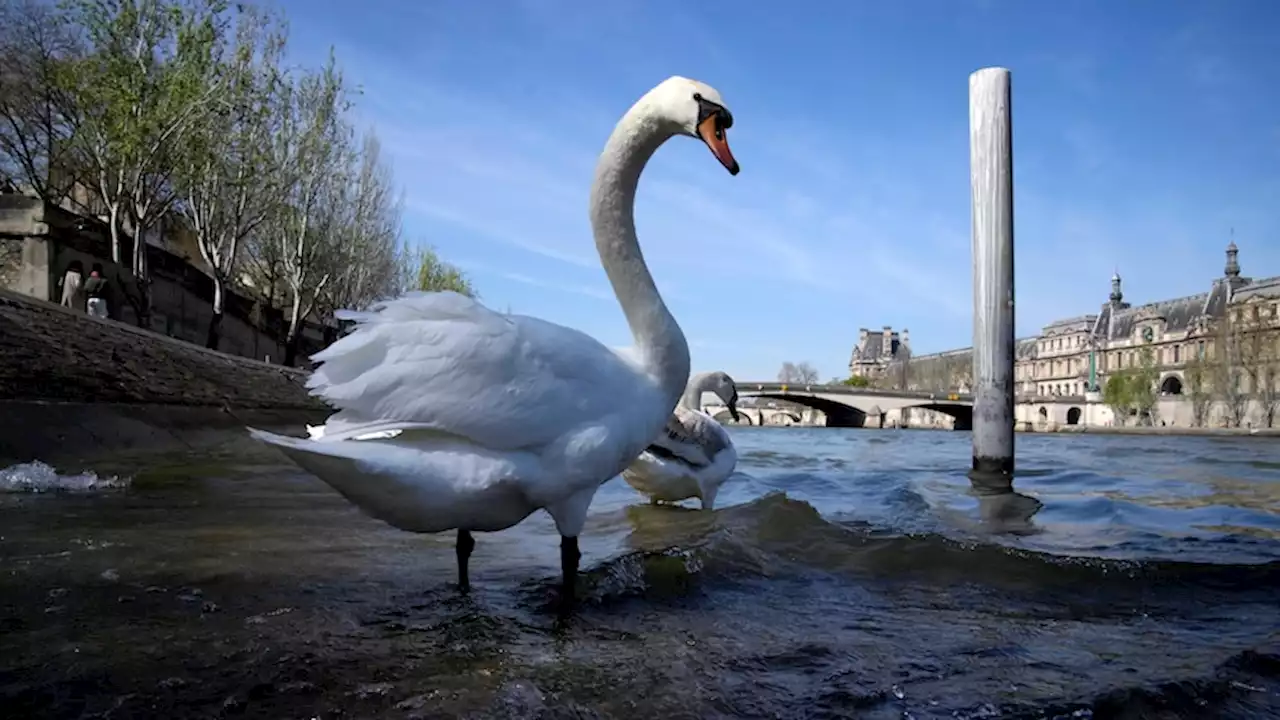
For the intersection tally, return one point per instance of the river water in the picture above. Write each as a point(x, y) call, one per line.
point(847, 573)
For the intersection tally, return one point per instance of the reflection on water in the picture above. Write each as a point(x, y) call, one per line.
point(847, 573)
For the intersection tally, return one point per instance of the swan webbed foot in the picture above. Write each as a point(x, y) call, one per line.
point(569, 557)
point(465, 545)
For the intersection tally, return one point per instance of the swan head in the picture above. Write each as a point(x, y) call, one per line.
point(727, 390)
point(698, 112)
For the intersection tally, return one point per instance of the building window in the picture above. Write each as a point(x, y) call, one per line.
point(1177, 354)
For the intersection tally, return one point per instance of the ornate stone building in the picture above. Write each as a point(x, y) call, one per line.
point(1070, 360)
point(877, 350)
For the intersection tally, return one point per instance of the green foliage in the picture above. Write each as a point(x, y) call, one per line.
point(436, 275)
point(1118, 396)
point(186, 107)
point(149, 74)
point(1142, 384)
point(858, 381)
point(1133, 390)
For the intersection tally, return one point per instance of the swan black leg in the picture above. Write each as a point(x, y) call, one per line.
point(569, 557)
point(466, 544)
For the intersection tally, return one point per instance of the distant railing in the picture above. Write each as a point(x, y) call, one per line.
point(776, 387)
point(748, 388)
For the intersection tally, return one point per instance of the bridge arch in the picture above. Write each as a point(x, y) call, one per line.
point(963, 414)
point(859, 407)
point(838, 414)
point(724, 417)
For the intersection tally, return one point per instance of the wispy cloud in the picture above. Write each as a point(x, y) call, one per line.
point(1136, 148)
point(498, 231)
point(576, 289)
point(587, 290)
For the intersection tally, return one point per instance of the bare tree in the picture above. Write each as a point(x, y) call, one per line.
point(148, 75)
point(311, 147)
point(226, 183)
point(37, 114)
point(787, 373)
point(362, 258)
point(799, 373)
point(808, 373)
point(1228, 371)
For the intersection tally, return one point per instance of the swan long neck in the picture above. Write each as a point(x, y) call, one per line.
point(663, 348)
point(698, 384)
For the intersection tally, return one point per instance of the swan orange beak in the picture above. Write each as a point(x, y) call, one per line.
point(712, 133)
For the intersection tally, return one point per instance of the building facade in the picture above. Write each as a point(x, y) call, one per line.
point(1235, 323)
point(877, 350)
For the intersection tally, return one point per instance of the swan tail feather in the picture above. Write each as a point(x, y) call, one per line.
point(346, 426)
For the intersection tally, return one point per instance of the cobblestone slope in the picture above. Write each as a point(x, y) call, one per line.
point(51, 353)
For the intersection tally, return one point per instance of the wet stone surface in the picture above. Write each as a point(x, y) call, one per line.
point(53, 354)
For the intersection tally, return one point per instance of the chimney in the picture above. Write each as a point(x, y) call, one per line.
point(905, 337)
point(862, 337)
point(886, 341)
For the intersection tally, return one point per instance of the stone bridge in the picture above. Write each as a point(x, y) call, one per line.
point(846, 406)
point(765, 415)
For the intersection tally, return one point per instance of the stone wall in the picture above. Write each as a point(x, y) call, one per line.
point(52, 353)
point(38, 243)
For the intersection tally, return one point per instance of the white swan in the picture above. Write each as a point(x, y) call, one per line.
point(493, 416)
point(694, 454)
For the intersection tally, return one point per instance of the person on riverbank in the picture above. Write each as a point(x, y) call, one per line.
point(72, 283)
point(95, 288)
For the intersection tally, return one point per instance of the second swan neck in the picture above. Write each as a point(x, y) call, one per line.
point(692, 397)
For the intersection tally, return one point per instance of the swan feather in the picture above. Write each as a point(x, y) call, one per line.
point(693, 437)
point(442, 361)
point(691, 458)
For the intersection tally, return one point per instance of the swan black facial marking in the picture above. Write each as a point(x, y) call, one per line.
point(706, 109)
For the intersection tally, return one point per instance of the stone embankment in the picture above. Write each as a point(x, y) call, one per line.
point(73, 386)
point(1164, 430)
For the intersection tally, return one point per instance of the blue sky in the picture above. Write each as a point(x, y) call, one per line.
point(1144, 131)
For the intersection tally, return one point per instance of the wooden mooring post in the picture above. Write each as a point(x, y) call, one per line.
point(991, 182)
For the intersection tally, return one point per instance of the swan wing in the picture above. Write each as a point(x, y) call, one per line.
point(693, 437)
point(442, 361)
